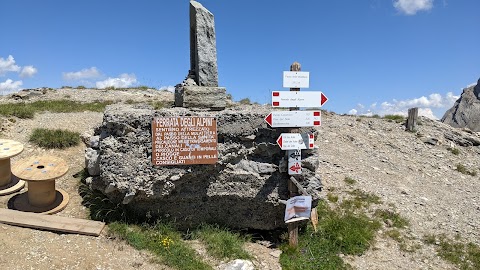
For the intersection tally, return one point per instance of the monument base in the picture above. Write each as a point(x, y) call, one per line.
point(213, 98)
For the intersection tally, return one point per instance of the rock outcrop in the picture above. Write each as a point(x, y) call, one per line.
point(242, 190)
point(466, 110)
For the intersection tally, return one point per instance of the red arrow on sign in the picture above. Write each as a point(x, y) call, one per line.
point(279, 141)
point(268, 119)
point(323, 99)
point(296, 167)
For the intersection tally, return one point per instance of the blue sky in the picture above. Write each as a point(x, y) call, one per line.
point(370, 56)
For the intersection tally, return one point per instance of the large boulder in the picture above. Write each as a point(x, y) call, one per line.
point(466, 110)
point(242, 190)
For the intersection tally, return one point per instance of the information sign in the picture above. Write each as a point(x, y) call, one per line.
point(286, 99)
point(294, 162)
point(184, 140)
point(294, 118)
point(296, 79)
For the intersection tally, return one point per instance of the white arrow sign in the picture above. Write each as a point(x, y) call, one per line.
point(298, 99)
point(294, 119)
point(295, 141)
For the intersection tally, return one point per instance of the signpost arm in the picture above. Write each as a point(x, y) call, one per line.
point(292, 188)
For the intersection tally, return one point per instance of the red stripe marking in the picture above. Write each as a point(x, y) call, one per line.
point(276, 94)
point(276, 103)
point(311, 145)
point(316, 113)
point(311, 136)
point(316, 123)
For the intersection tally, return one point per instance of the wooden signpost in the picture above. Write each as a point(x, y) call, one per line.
point(184, 140)
point(293, 142)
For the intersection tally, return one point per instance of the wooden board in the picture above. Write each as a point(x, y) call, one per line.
point(9, 148)
point(51, 223)
point(40, 168)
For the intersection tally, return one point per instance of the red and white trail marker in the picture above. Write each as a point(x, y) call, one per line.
point(285, 99)
point(296, 141)
point(294, 118)
point(294, 162)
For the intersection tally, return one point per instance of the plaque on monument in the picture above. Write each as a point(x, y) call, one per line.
point(184, 140)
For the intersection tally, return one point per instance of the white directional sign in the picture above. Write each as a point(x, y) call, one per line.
point(295, 141)
point(298, 99)
point(296, 79)
point(294, 162)
point(294, 118)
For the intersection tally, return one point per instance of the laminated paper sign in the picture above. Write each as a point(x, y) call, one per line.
point(298, 208)
point(184, 140)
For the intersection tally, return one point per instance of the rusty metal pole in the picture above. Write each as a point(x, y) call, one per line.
point(292, 188)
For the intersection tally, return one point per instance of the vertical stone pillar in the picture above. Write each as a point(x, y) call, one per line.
point(203, 47)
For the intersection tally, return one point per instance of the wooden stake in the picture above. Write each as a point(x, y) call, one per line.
point(292, 187)
point(412, 119)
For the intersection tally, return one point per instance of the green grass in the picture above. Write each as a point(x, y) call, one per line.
point(465, 255)
point(339, 232)
point(99, 206)
point(360, 199)
point(394, 117)
point(28, 110)
point(54, 138)
point(245, 101)
point(163, 241)
point(396, 220)
point(332, 198)
point(462, 169)
point(454, 151)
point(350, 181)
point(222, 243)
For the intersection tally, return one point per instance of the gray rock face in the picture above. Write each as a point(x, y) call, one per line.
point(466, 110)
point(214, 98)
point(203, 48)
point(92, 162)
point(242, 190)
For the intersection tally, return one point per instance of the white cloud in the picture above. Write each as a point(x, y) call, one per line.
point(8, 65)
point(86, 73)
point(427, 106)
point(353, 112)
point(10, 86)
point(411, 7)
point(167, 88)
point(28, 71)
point(123, 81)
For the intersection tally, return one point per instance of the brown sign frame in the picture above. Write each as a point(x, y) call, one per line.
point(184, 140)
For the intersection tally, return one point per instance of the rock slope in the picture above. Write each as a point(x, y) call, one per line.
point(466, 110)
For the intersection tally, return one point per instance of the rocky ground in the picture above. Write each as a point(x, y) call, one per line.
point(412, 172)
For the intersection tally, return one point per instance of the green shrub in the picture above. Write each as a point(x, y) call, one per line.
point(454, 151)
point(54, 138)
point(349, 180)
point(464, 255)
point(81, 87)
point(394, 117)
point(460, 168)
point(245, 101)
point(395, 218)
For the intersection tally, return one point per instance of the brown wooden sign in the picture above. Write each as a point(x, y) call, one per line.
point(184, 140)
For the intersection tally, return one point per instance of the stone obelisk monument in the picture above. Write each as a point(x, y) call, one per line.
point(200, 88)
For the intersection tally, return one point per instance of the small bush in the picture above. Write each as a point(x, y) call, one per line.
point(454, 151)
point(332, 198)
point(460, 168)
point(396, 220)
point(349, 180)
point(394, 117)
point(57, 138)
point(245, 101)
point(81, 87)
point(360, 199)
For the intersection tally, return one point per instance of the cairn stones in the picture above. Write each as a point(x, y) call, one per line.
point(200, 88)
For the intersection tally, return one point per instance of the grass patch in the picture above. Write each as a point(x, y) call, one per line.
point(332, 198)
point(360, 199)
point(350, 181)
point(222, 243)
point(464, 255)
point(394, 117)
point(391, 217)
point(28, 110)
point(163, 241)
point(462, 169)
point(339, 232)
point(54, 138)
point(245, 101)
point(454, 151)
